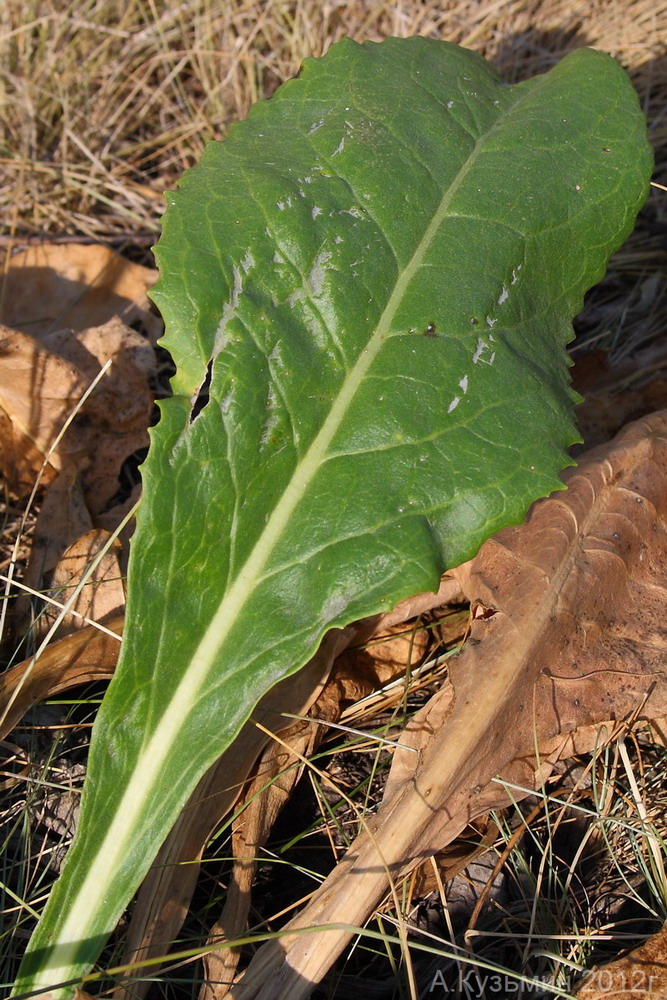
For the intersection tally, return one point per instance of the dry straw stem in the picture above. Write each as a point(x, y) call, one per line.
point(103, 103)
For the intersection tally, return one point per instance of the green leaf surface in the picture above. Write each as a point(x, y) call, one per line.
point(377, 273)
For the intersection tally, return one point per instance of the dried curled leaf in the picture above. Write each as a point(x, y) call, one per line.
point(83, 656)
point(42, 381)
point(569, 632)
point(639, 974)
point(76, 286)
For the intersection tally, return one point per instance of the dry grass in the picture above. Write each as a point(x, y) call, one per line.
point(105, 102)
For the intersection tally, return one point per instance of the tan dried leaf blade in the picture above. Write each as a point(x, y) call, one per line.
point(569, 631)
point(42, 380)
point(76, 286)
point(86, 655)
point(639, 974)
point(166, 893)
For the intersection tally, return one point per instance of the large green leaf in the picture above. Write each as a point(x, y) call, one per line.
point(377, 272)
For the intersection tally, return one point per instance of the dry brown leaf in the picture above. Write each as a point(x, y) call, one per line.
point(475, 841)
point(276, 776)
point(617, 392)
point(166, 893)
point(640, 974)
point(103, 593)
point(63, 517)
point(111, 520)
point(572, 634)
point(76, 286)
point(83, 656)
point(38, 391)
point(357, 672)
point(41, 383)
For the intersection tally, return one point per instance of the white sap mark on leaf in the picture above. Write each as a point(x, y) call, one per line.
point(275, 352)
point(272, 419)
point(228, 312)
point(515, 273)
point(247, 262)
point(314, 127)
point(503, 296)
point(315, 211)
point(490, 322)
point(482, 346)
point(463, 383)
point(450, 104)
point(226, 402)
point(281, 206)
point(269, 427)
point(577, 187)
point(338, 239)
point(334, 607)
point(278, 258)
point(318, 271)
point(454, 403)
point(340, 147)
point(355, 212)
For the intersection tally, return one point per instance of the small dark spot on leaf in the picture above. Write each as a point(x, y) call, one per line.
point(606, 149)
point(474, 320)
point(430, 330)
